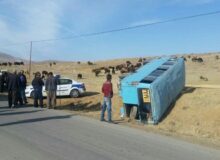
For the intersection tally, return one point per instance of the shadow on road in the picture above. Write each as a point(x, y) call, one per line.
point(86, 94)
point(17, 113)
point(3, 97)
point(18, 106)
point(82, 106)
point(6, 110)
point(36, 120)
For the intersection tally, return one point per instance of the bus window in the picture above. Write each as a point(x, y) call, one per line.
point(157, 72)
point(148, 79)
point(164, 67)
point(169, 63)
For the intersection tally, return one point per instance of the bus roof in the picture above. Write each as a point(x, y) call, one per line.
point(145, 70)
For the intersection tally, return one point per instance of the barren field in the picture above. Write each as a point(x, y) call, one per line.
point(195, 115)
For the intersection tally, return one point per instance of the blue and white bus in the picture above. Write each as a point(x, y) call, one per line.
point(148, 93)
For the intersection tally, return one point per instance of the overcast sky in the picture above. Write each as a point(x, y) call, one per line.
point(29, 20)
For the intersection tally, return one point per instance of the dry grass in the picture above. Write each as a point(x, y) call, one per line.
point(196, 113)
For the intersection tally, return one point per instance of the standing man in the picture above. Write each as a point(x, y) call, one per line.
point(44, 76)
point(108, 94)
point(37, 84)
point(51, 88)
point(13, 86)
point(23, 84)
point(1, 82)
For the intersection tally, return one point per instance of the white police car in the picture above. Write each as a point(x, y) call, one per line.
point(65, 87)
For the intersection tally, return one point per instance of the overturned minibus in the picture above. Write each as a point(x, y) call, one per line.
point(149, 92)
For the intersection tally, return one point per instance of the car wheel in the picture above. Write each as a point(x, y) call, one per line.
point(32, 94)
point(74, 93)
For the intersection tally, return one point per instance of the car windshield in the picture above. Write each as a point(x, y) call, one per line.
point(64, 81)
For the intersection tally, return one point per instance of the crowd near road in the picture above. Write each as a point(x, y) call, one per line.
point(15, 84)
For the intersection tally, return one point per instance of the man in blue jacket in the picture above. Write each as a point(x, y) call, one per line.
point(37, 84)
point(23, 84)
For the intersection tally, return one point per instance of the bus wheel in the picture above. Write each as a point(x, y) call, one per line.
point(134, 112)
point(127, 110)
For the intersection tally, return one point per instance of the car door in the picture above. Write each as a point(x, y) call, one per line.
point(64, 85)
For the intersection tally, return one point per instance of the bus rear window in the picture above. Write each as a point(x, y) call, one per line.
point(157, 72)
point(148, 79)
point(170, 63)
point(163, 67)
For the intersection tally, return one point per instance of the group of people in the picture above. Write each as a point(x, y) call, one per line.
point(16, 83)
point(50, 83)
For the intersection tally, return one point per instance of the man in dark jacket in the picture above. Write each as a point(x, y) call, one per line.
point(51, 88)
point(37, 84)
point(23, 84)
point(13, 86)
point(1, 82)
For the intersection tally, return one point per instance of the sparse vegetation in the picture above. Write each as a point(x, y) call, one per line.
point(195, 114)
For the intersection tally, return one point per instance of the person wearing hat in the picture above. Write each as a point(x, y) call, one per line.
point(38, 84)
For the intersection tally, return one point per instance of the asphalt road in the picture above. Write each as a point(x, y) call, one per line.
point(40, 134)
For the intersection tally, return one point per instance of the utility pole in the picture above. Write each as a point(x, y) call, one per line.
point(30, 60)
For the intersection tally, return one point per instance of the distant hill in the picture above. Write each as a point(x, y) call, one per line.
point(8, 58)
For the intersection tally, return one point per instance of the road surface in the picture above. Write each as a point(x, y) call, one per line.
point(40, 134)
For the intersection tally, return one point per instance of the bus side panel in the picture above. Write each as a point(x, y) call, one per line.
point(166, 89)
point(129, 95)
